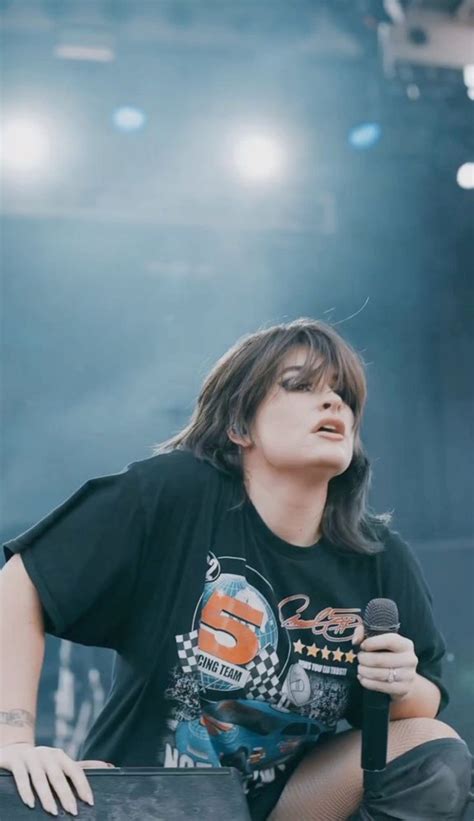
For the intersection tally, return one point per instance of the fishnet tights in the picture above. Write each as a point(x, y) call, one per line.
point(327, 785)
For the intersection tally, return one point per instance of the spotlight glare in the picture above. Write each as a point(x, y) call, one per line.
point(25, 145)
point(129, 118)
point(258, 157)
point(465, 175)
point(365, 135)
point(468, 75)
point(413, 91)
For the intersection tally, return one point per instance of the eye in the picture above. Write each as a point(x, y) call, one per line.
point(300, 387)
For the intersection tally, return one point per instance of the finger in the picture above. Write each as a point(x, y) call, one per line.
point(22, 781)
point(61, 786)
point(74, 771)
point(89, 763)
point(385, 659)
point(42, 787)
point(359, 634)
point(388, 641)
point(381, 673)
point(396, 688)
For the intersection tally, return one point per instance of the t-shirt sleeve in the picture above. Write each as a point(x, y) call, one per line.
point(402, 580)
point(405, 583)
point(84, 557)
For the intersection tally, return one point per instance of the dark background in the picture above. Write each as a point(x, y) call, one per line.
point(132, 261)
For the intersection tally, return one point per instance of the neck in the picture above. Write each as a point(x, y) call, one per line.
point(291, 505)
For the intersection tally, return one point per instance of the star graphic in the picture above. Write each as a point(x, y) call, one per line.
point(299, 646)
point(350, 656)
point(312, 651)
point(325, 652)
point(337, 654)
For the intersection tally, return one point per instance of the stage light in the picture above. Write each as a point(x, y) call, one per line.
point(365, 135)
point(258, 157)
point(82, 42)
point(465, 175)
point(25, 145)
point(468, 75)
point(129, 118)
point(413, 91)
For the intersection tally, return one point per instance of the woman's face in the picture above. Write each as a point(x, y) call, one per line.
point(284, 429)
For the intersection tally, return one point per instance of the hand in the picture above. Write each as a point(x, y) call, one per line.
point(47, 767)
point(374, 666)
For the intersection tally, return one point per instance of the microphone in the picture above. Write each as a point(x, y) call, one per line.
point(380, 616)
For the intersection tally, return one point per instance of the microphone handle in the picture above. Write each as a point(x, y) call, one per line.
point(376, 705)
point(375, 722)
point(376, 713)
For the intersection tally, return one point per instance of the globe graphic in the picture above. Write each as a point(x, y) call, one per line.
point(237, 587)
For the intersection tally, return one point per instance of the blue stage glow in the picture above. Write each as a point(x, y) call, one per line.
point(129, 118)
point(365, 135)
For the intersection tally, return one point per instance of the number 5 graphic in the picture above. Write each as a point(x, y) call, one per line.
point(216, 614)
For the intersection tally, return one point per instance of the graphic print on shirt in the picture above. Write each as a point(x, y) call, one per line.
point(258, 677)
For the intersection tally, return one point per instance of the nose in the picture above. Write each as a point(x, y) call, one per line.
point(334, 402)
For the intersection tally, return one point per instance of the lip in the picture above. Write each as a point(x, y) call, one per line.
point(338, 437)
point(333, 421)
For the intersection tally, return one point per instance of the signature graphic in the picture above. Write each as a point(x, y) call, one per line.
point(331, 622)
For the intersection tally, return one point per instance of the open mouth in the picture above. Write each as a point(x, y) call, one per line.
point(332, 425)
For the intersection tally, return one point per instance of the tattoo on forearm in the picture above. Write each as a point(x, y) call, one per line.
point(17, 718)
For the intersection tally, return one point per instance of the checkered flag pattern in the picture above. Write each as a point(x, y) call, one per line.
point(188, 651)
point(263, 682)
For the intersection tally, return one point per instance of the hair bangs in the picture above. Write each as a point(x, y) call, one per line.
point(329, 363)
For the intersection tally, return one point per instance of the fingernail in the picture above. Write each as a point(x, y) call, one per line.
point(31, 804)
point(90, 800)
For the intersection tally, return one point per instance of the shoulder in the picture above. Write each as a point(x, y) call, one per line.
point(394, 549)
point(379, 529)
point(400, 566)
point(176, 473)
point(174, 464)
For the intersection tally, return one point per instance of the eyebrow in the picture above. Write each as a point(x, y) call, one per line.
point(294, 368)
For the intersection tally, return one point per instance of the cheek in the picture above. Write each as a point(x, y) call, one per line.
point(277, 428)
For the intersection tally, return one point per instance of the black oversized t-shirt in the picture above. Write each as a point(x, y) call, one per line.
point(233, 646)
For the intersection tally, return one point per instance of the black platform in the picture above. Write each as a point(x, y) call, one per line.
point(144, 794)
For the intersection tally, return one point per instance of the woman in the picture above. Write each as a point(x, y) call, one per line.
point(229, 571)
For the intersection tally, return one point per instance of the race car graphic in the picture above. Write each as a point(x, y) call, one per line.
point(245, 734)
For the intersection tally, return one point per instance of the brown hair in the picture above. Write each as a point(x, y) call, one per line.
point(240, 380)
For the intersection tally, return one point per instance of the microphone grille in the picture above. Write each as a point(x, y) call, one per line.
point(381, 616)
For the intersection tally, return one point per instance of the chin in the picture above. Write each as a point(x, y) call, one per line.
point(333, 467)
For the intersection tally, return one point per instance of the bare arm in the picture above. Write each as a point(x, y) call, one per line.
point(423, 701)
point(22, 645)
